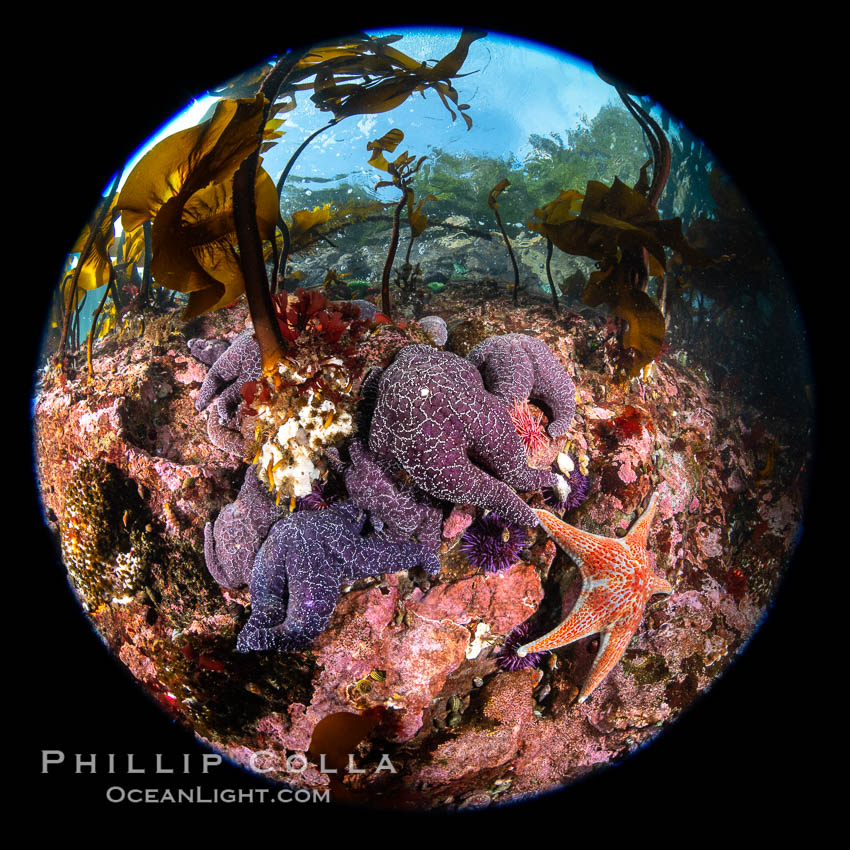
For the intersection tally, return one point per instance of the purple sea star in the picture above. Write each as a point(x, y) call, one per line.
point(435, 419)
point(207, 350)
point(516, 366)
point(239, 364)
point(400, 511)
point(231, 543)
point(436, 328)
point(492, 543)
point(299, 570)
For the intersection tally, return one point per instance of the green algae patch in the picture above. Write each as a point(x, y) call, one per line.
point(646, 669)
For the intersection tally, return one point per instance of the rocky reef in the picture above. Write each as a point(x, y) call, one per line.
point(407, 666)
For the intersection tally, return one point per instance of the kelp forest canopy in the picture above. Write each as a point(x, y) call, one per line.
point(660, 239)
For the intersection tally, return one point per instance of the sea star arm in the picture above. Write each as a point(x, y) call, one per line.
point(464, 483)
point(213, 564)
point(239, 364)
point(516, 366)
point(500, 450)
point(612, 644)
point(504, 366)
point(294, 589)
point(401, 512)
point(375, 557)
point(584, 548)
point(639, 532)
point(207, 350)
point(584, 620)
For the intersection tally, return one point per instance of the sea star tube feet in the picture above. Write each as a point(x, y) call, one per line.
point(519, 367)
point(298, 573)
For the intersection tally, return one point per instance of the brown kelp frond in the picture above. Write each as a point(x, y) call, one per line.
point(94, 267)
point(387, 76)
point(492, 198)
point(493, 203)
point(388, 142)
point(416, 218)
point(401, 170)
point(611, 220)
point(188, 160)
point(619, 228)
point(303, 221)
point(183, 184)
point(338, 218)
point(644, 334)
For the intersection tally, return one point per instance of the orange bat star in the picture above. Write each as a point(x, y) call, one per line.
point(616, 583)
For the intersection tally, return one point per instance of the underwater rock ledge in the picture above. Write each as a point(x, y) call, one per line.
point(129, 479)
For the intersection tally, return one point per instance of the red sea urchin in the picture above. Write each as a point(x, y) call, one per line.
point(527, 421)
point(508, 660)
point(492, 543)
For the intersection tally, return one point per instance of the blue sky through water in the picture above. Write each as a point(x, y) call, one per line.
point(519, 88)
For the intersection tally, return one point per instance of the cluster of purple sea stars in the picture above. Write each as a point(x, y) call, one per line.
point(492, 543)
point(231, 543)
point(454, 439)
point(436, 429)
point(301, 567)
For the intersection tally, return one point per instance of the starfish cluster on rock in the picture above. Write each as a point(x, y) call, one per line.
point(299, 570)
point(231, 543)
point(437, 421)
point(433, 428)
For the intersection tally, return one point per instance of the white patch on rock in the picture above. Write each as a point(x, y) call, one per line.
point(479, 640)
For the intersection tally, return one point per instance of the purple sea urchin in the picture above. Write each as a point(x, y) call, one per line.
point(492, 543)
point(508, 660)
point(578, 491)
point(316, 500)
